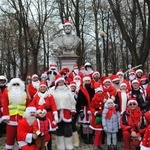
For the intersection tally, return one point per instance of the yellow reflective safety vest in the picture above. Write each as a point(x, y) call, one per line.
point(16, 109)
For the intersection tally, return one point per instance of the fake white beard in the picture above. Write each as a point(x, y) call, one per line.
point(30, 119)
point(16, 95)
point(121, 79)
point(76, 71)
point(61, 87)
point(52, 77)
point(132, 77)
point(89, 70)
point(36, 84)
point(78, 83)
point(117, 87)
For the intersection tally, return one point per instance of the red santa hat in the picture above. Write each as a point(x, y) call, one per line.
point(144, 77)
point(76, 77)
point(72, 84)
point(105, 79)
point(120, 72)
point(75, 66)
point(98, 89)
point(67, 22)
point(86, 77)
point(135, 81)
point(131, 71)
point(30, 109)
point(114, 77)
point(82, 67)
point(95, 72)
point(52, 66)
point(41, 109)
point(139, 70)
point(131, 100)
point(59, 78)
point(43, 83)
point(34, 76)
point(123, 84)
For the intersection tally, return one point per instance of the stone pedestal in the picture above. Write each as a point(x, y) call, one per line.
point(68, 60)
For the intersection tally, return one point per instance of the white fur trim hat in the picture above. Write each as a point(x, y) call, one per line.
point(139, 70)
point(35, 75)
point(85, 78)
point(30, 109)
point(123, 84)
point(135, 81)
point(77, 77)
point(109, 100)
point(59, 78)
point(98, 89)
point(131, 100)
point(95, 72)
point(67, 22)
point(16, 81)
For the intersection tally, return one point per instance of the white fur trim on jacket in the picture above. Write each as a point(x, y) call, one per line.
point(28, 138)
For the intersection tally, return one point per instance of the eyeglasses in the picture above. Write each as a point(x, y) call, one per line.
point(16, 84)
point(132, 104)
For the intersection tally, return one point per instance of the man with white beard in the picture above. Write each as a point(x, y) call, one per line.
point(88, 68)
point(14, 103)
point(33, 87)
point(51, 74)
point(77, 80)
point(25, 135)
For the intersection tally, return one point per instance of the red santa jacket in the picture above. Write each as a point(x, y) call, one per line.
point(49, 105)
point(131, 119)
point(72, 75)
point(148, 90)
point(42, 126)
point(13, 119)
point(24, 133)
point(96, 106)
point(32, 91)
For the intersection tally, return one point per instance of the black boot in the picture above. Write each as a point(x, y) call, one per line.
point(137, 148)
point(85, 139)
point(90, 138)
point(109, 147)
point(114, 147)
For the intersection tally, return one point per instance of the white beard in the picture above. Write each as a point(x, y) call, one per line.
point(117, 87)
point(16, 95)
point(51, 79)
point(36, 84)
point(30, 119)
point(76, 71)
point(78, 83)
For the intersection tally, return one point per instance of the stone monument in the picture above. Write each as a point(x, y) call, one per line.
point(68, 44)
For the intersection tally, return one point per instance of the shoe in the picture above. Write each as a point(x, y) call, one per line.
point(109, 147)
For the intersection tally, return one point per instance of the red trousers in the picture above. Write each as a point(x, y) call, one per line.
point(11, 135)
point(98, 138)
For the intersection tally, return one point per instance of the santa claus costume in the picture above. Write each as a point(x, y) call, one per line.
point(65, 103)
point(132, 124)
point(145, 143)
point(3, 81)
point(75, 72)
point(95, 78)
point(14, 105)
point(33, 86)
point(96, 108)
point(25, 135)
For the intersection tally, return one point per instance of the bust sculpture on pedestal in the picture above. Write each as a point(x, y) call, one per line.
point(68, 43)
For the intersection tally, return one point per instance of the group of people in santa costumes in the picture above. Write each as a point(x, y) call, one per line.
point(61, 99)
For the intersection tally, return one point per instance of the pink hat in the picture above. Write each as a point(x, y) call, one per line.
point(86, 77)
point(59, 78)
point(95, 72)
point(67, 22)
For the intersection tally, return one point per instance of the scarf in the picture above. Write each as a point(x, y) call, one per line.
point(110, 112)
point(42, 97)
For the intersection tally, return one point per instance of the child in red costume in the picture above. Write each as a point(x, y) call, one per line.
point(41, 128)
point(96, 108)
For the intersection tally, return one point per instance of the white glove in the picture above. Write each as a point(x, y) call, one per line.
point(56, 117)
point(105, 129)
point(89, 112)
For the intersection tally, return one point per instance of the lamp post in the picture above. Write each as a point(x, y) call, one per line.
point(102, 34)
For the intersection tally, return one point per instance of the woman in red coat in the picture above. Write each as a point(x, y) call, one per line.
point(96, 108)
point(132, 124)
